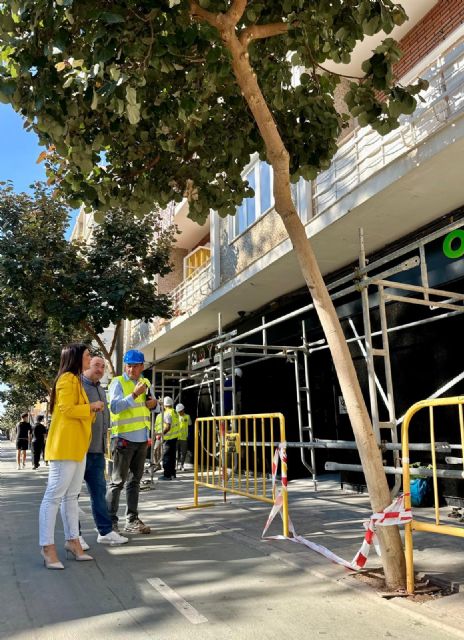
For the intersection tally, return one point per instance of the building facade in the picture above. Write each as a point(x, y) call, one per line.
point(394, 200)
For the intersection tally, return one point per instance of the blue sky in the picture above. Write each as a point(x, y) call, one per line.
point(19, 151)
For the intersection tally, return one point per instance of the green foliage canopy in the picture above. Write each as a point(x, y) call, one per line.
point(138, 99)
point(53, 290)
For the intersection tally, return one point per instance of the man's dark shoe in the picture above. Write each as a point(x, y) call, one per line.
point(115, 527)
point(137, 526)
point(164, 478)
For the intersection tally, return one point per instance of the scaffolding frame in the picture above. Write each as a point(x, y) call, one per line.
point(232, 346)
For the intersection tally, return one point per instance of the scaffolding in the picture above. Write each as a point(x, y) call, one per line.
point(214, 362)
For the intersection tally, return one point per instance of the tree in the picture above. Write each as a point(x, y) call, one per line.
point(30, 348)
point(59, 289)
point(157, 89)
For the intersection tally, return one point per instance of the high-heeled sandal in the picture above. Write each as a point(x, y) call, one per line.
point(50, 565)
point(80, 557)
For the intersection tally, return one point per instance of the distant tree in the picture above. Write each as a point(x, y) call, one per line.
point(177, 94)
point(75, 288)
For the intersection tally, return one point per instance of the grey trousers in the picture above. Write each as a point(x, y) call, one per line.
point(128, 465)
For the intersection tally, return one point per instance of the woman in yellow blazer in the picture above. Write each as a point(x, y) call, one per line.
point(67, 444)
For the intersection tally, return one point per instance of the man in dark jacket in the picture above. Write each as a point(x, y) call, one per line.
point(39, 431)
point(95, 464)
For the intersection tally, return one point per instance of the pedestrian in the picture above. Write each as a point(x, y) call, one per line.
point(39, 432)
point(185, 422)
point(94, 475)
point(23, 440)
point(67, 444)
point(167, 425)
point(131, 399)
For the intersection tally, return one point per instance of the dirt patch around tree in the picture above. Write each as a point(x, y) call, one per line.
point(426, 588)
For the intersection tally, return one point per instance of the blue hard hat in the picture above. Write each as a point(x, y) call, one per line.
point(133, 357)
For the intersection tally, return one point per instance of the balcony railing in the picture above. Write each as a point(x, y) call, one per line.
point(365, 152)
point(187, 295)
point(191, 291)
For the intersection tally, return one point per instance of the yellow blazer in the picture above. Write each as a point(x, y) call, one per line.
point(71, 426)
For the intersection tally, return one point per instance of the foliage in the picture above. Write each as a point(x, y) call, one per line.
point(53, 291)
point(30, 348)
point(122, 259)
point(11, 414)
point(149, 88)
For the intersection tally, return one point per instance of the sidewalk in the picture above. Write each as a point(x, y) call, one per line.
point(235, 584)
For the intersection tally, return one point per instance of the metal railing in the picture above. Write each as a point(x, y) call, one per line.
point(234, 454)
point(419, 525)
point(191, 291)
point(365, 151)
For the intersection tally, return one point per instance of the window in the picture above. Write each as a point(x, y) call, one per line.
point(259, 177)
point(300, 197)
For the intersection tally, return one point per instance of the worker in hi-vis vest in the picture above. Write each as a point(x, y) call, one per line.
point(167, 424)
point(185, 421)
point(131, 399)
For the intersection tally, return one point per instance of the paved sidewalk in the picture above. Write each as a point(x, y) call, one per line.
point(212, 565)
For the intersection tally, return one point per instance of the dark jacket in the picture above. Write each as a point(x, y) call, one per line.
point(101, 423)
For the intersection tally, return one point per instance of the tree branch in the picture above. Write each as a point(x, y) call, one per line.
point(100, 343)
point(115, 336)
point(260, 31)
point(45, 383)
point(201, 14)
point(335, 73)
point(236, 11)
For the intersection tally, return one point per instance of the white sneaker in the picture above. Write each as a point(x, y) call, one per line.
point(112, 538)
point(84, 545)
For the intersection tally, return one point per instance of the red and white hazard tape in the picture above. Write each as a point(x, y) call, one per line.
point(395, 514)
point(280, 453)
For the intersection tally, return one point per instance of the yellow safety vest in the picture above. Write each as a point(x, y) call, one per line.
point(135, 418)
point(183, 426)
point(174, 430)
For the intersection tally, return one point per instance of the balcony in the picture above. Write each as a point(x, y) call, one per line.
point(191, 291)
point(186, 298)
point(365, 152)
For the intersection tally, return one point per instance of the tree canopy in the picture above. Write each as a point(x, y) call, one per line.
point(53, 290)
point(136, 100)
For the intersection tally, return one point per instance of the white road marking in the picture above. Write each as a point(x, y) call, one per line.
point(177, 601)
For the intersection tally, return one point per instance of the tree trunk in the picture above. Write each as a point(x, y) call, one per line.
point(101, 344)
point(371, 459)
point(389, 537)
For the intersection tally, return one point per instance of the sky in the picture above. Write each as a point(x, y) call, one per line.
point(19, 151)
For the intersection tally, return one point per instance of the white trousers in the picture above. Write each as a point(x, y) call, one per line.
point(64, 485)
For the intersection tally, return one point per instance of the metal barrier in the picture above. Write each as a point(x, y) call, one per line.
point(417, 525)
point(234, 454)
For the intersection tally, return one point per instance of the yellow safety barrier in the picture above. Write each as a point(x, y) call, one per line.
point(234, 454)
point(417, 525)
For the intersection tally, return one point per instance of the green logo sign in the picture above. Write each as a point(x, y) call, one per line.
point(453, 244)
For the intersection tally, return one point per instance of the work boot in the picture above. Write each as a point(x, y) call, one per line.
point(137, 526)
